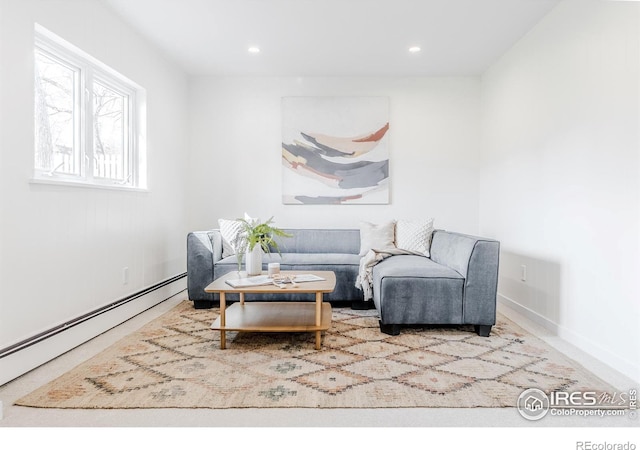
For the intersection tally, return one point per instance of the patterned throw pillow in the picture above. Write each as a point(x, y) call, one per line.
point(377, 237)
point(414, 235)
point(229, 229)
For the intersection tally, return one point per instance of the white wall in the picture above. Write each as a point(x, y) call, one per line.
point(235, 128)
point(64, 248)
point(560, 176)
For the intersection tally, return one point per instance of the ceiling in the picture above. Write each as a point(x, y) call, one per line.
point(333, 37)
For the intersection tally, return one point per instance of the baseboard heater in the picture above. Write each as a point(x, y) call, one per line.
point(83, 318)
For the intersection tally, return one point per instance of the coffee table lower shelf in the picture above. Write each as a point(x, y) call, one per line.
point(274, 317)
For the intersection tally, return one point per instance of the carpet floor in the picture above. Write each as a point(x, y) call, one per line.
point(175, 362)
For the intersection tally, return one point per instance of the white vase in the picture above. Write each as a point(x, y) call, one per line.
point(253, 261)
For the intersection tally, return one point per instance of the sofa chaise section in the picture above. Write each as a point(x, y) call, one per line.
point(457, 285)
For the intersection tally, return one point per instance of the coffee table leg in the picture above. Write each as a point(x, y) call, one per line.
point(223, 305)
point(318, 319)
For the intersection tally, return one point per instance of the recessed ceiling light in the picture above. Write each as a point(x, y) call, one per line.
point(253, 49)
point(414, 49)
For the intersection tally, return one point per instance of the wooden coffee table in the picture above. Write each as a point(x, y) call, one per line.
point(274, 316)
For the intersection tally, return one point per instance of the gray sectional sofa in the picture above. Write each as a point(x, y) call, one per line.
point(456, 285)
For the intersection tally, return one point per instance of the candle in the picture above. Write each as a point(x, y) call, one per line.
point(273, 269)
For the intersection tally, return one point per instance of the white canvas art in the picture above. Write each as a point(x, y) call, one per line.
point(335, 150)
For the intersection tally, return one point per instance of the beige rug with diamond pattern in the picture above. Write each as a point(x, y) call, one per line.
point(175, 362)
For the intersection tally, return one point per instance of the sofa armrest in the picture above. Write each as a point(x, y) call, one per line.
point(476, 259)
point(204, 248)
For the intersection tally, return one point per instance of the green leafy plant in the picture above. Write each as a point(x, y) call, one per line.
point(262, 233)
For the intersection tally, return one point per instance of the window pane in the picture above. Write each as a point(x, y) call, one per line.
point(110, 140)
point(56, 124)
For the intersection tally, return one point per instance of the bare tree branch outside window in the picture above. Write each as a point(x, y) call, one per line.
point(109, 139)
point(56, 146)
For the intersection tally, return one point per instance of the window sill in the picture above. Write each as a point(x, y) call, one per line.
point(82, 184)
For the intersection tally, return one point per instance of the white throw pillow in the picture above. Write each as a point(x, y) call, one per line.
point(377, 237)
point(230, 229)
point(414, 235)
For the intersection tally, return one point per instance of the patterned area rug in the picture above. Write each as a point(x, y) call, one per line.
point(175, 362)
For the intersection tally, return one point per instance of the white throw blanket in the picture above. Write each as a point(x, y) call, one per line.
point(364, 281)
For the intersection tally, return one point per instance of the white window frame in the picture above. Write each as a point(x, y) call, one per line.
point(90, 69)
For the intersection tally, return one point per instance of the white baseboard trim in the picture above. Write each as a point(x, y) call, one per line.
point(23, 360)
point(627, 367)
point(529, 314)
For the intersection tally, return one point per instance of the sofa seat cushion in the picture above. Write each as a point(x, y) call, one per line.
point(300, 260)
point(345, 266)
point(410, 289)
point(413, 266)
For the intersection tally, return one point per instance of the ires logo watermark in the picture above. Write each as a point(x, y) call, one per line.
point(534, 404)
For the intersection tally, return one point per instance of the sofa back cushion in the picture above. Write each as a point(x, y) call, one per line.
point(320, 241)
point(452, 250)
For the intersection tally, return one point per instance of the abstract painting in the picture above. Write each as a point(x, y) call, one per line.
point(335, 150)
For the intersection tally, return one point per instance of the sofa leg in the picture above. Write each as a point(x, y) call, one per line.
point(360, 305)
point(203, 304)
point(389, 328)
point(483, 330)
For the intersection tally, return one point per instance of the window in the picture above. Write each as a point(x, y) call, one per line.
point(87, 118)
